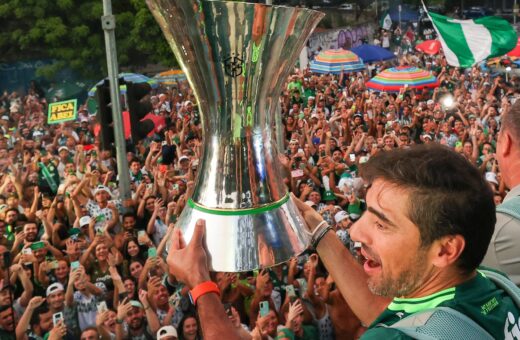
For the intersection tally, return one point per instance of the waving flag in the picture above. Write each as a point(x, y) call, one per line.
point(467, 42)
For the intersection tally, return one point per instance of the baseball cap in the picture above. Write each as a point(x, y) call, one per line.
point(166, 331)
point(182, 158)
point(429, 102)
point(102, 188)
point(61, 148)
point(135, 303)
point(85, 220)
point(340, 216)
point(54, 288)
point(4, 118)
point(314, 115)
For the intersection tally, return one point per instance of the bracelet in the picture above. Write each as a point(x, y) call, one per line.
point(317, 229)
point(202, 289)
point(119, 321)
point(315, 240)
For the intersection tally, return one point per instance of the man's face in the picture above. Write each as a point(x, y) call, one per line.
point(11, 217)
point(46, 321)
point(134, 318)
point(7, 320)
point(56, 300)
point(315, 197)
point(90, 334)
point(161, 296)
point(129, 223)
point(135, 167)
point(31, 231)
point(384, 231)
point(101, 196)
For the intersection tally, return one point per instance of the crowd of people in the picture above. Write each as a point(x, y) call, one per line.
point(79, 262)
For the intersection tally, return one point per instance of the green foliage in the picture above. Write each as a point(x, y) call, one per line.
point(69, 31)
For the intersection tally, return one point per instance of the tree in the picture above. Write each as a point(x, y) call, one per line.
point(69, 31)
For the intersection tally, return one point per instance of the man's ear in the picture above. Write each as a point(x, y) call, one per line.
point(447, 250)
point(506, 143)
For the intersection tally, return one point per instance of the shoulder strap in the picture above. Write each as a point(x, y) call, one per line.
point(511, 207)
point(441, 323)
point(504, 283)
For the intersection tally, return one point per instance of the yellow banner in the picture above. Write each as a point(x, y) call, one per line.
point(62, 111)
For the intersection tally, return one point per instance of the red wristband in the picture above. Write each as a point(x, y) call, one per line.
point(202, 289)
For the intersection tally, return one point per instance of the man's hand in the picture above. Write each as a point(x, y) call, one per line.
point(189, 263)
point(101, 318)
point(295, 309)
point(58, 331)
point(123, 309)
point(35, 302)
point(311, 216)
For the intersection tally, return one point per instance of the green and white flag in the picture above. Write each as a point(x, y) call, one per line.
point(386, 21)
point(467, 42)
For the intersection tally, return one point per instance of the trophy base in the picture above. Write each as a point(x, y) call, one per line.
point(248, 239)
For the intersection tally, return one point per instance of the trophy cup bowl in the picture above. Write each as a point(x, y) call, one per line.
point(237, 57)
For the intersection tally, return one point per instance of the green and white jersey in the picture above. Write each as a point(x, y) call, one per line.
point(478, 298)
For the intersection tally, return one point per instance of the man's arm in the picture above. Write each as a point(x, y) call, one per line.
point(190, 265)
point(348, 274)
point(23, 323)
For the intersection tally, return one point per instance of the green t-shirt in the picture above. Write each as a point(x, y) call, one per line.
point(478, 298)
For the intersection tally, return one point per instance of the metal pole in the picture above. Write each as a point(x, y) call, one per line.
point(515, 13)
point(108, 22)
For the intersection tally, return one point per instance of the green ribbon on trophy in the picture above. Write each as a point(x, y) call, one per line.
point(48, 177)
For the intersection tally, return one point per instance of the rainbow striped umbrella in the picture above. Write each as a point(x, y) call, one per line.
point(395, 78)
point(336, 61)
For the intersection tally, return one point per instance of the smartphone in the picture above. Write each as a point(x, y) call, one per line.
point(297, 159)
point(53, 264)
point(102, 307)
point(27, 251)
point(322, 154)
point(56, 317)
point(74, 265)
point(18, 229)
point(290, 293)
point(352, 157)
point(175, 186)
point(140, 235)
point(264, 308)
point(152, 252)
point(37, 245)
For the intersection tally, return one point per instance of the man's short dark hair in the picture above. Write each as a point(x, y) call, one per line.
point(128, 214)
point(90, 328)
point(511, 122)
point(35, 318)
point(448, 196)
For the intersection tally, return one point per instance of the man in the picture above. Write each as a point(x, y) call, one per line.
point(141, 320)
point(90, 333)
point(167, 333)
point(56, 301)
point(503, 252)
point(428, 224)
point(7, 323)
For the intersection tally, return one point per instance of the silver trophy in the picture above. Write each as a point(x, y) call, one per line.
point(237, 57)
